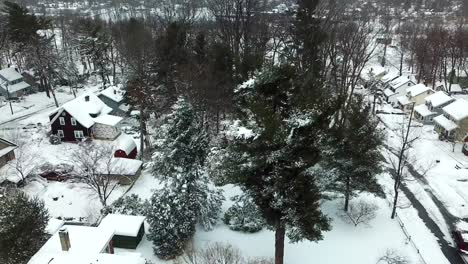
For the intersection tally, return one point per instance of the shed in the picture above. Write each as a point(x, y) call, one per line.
point(125, 147)
point(128, 229)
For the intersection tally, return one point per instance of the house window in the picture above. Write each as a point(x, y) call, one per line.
point(62, 121)
point(73, 121)
point(60, 133)
point(78, 134)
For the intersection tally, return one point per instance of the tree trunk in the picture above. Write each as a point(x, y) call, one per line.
point(142, 139)
point(279, 242)
point(395, 201)
point(347, 193)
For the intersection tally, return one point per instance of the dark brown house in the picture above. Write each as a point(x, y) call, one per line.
point(84, 117)
point(6, 151)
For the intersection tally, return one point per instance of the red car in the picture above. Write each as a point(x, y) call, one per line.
point(461, 240)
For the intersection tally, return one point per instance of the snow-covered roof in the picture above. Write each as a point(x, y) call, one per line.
point(68, 258)
point(114, 93)
point(389, 77)
point(109, 120)
point(6, 150)
point(403, 100)
point(399, 81)
point(125, 143)
point(10, 74)
point(83, 106)
point(417, 89)
point(121, 166)
point(123, 225)
point(445, 123)
point(423, 110)
point(84, 240)
point(439, 98)
point(17, 87)
point(388, 92)
point(455, 88)
point(54, 225)
point(375, 71)
point(458, 109)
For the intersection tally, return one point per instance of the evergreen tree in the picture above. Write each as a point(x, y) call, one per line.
point(278, 146)
point(22, 228)
point(171, 218)
point(354, 154)
point(188, 196)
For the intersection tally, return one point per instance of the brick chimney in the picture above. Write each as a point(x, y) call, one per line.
point(86, 98)
point(115, 91)
point(64, 239)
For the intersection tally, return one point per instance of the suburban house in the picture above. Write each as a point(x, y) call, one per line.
point(425, 113)
point(415, 96)
point(453, 123)
point(397, 88)
point(125, 147)
point(114, 98)
point(12, 84)
point(94, 245)
point(7, 152)
point(84, 117)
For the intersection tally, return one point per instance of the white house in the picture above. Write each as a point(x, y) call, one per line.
point(92, 245)
point(453, 123)
point(415, 95)
point(397, 88)
point(12, 84)
point(434, 103)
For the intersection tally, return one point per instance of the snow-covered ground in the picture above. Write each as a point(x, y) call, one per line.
point(345, 243)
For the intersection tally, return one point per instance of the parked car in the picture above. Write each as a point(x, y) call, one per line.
point(461, 240)
point(59, 172)
point(465, 149)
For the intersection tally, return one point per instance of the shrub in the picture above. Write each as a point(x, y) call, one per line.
point(244, 215)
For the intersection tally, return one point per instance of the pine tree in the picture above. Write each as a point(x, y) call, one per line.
point(188, 196)
point(22, 228)
point(354, 154)
point(280, 144)
point(172, 218)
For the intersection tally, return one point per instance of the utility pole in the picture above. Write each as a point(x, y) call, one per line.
point(8, 96)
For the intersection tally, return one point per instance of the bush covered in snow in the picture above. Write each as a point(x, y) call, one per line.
point(55, 139)
point(244, 215)
point(128, 205)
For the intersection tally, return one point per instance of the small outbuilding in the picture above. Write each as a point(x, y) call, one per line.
point(125, 147)
point(128, 229)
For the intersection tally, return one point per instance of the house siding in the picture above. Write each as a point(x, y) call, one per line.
point(102, 131)
point(462, 130)
point(129, 242)
point(68, 128)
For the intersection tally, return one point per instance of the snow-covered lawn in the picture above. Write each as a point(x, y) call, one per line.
point(345, 243)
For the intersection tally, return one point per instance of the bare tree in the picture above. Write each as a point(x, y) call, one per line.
point(26, 158)
point(95, 165)
point(391, 256)
point(360, 212)
point(399, 158)
point(215, 253)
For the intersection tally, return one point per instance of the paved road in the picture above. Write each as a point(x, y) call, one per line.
point(13, 123)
